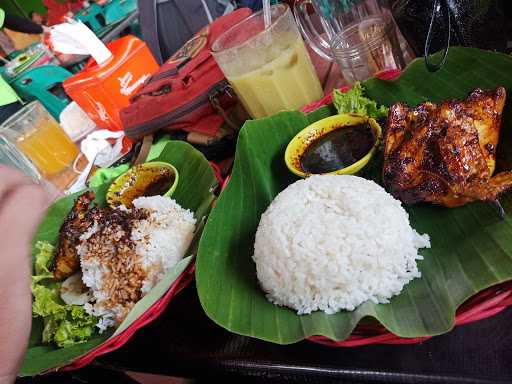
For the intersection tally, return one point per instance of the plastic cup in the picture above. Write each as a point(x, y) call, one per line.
point(269, 69)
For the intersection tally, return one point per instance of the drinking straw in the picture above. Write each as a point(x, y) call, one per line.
point(266, 13)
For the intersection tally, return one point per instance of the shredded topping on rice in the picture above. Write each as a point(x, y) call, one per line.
point(124, 253)
point(111, 247)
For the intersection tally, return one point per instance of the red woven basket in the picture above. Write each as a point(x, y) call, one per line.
point(481, 306)
point(147, 317)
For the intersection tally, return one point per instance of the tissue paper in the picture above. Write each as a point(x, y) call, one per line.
point(97, 146)
point(75, 38)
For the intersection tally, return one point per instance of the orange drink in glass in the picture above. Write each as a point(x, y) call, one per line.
point(36, 133)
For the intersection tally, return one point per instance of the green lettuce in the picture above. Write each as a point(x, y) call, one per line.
point(63, 324)
point(47, 302)
point(43, 259)
point(353, 101)
point(77, 328)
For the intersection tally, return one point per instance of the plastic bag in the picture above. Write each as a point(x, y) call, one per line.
point(470, 23)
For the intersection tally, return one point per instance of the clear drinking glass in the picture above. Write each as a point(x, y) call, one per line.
point(360, 35)
point(269, 69)
point(40, 138)
point(12, 157)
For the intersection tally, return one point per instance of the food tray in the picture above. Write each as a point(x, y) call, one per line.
point(151, 314)
point(481, 306)
point(487, 303)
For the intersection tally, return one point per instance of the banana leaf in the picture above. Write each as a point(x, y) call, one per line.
point(471, 246)
point(193, 192)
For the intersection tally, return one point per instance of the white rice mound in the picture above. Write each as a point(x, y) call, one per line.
point(332, 242)
point(161, 240)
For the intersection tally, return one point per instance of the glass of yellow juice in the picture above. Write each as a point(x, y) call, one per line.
point(269, 69)
point(36, 133)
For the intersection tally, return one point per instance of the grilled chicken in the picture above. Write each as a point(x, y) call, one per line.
point(445, 154)
point(67, 261)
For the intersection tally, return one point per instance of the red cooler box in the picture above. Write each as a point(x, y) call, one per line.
point(103, 90)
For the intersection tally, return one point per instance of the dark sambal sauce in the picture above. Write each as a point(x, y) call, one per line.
point(338, 149)
point(160, 184)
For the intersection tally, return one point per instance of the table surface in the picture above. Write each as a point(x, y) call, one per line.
point(185, 342)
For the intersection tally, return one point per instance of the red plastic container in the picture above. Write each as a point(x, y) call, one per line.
point(102, 90)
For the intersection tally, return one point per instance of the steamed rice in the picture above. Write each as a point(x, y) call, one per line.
point(122, 260)
point(330, 243)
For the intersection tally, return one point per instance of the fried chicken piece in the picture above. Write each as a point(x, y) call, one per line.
point(446, 154)
point(79, 219)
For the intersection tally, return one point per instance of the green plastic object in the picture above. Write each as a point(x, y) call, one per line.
point(330, 8)
point(44, 84)
point(117, 10)
point(93, 17)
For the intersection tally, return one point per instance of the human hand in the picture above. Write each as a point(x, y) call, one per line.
point(22, 204)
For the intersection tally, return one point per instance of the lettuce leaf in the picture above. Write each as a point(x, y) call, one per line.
point(50, 327)
point(76, 329)
point(64, 324)
point(42, 261)
point(47, 302)
point(353, 101)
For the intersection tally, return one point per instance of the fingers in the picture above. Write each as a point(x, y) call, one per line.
point(11, 179)
point(20, 213)
point(21, 210)
point(22, 204)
